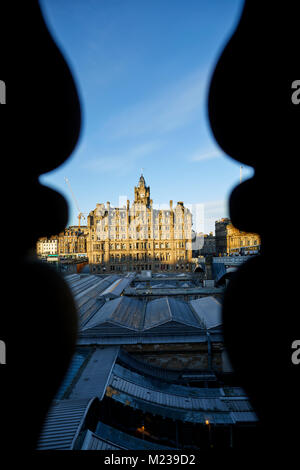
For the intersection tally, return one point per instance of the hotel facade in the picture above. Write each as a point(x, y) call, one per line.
point(139, 237)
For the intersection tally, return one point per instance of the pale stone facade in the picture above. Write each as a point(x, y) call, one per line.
point(47, 246)
point(230, 240)
point(139, 237)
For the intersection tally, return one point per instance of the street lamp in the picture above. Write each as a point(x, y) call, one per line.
point(207, 423)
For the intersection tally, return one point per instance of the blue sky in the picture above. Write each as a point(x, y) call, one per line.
point(142, 68)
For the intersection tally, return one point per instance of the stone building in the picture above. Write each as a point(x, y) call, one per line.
point(209, 245)
point(230, 240)
point(72, 241)
point(139, 237)
point(47, 246)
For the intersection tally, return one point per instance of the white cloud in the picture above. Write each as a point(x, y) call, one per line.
point(200, 156)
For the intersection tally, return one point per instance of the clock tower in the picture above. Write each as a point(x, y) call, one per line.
point(142, 193)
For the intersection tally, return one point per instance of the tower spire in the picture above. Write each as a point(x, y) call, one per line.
point(142, 192)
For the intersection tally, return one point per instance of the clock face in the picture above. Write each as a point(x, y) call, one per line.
point(142, 194)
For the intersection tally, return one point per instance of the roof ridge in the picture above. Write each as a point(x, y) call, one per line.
point(144, 314)
point(169, 307)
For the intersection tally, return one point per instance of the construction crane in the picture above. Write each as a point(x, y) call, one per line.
point(80, 214)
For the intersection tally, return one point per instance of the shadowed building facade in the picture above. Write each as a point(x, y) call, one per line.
point(139, 237)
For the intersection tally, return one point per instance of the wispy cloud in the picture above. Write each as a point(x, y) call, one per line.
point(174, 107)
point(124, 162)
point(200, 156)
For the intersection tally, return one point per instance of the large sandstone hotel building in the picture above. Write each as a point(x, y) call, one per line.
point(139, 237)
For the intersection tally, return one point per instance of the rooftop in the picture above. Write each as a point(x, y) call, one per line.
point(75, 423)
point(103, 374)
